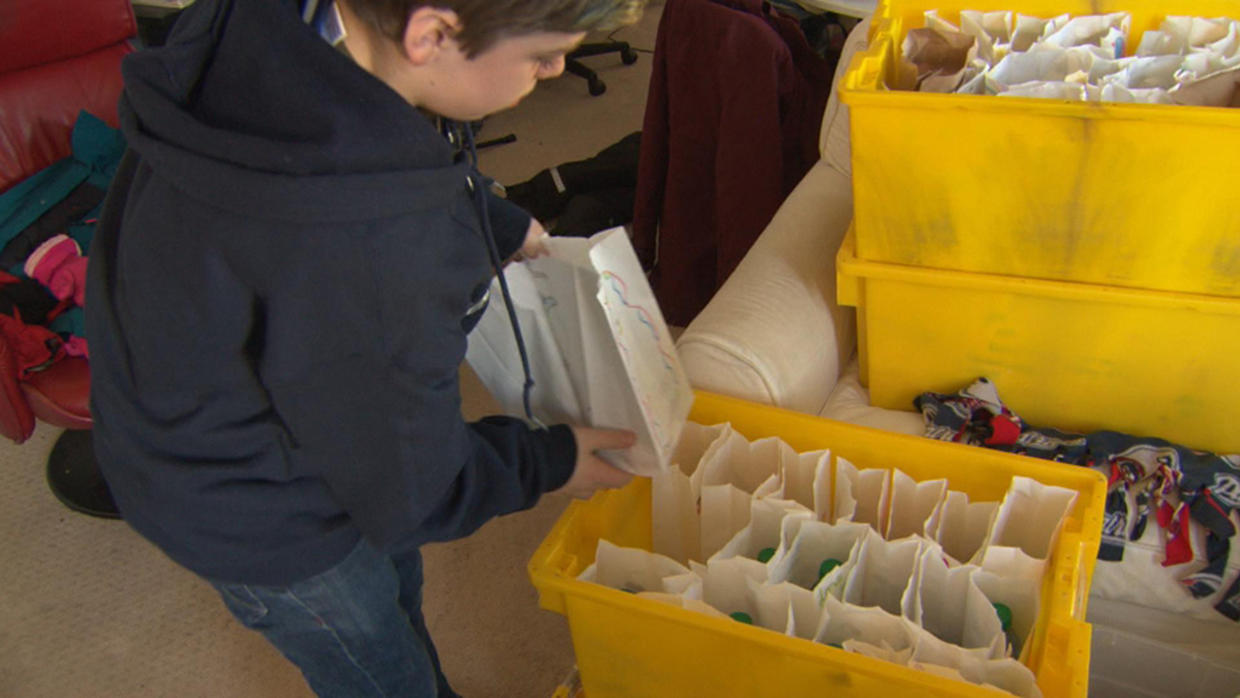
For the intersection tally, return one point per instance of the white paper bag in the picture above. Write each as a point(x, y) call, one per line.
point(912, 504)
point(812, 545)
point(492, 353)
point(766, 520)
point(952, 607)
point(844, 624)
point(785, 608)
point(734, 471)
point(725, 511)
point(943, 659)
point(807, 479)
point(675, 522)
point(752, 467)
point(689, 604)
point(961, 526)
point(630, 569)
point(1031, 515)
point(1015, 586)
point(1011, 676)
point(593, 310)
point(729, 587)
point(688, 585)
point(885, 573)
point(861, 495)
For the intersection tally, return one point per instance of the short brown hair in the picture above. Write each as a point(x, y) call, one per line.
point(483, 22)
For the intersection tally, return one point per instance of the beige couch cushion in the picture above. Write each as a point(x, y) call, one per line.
point(774, 332)
point(833, 139)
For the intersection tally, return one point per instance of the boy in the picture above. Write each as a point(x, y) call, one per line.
point(280, 289)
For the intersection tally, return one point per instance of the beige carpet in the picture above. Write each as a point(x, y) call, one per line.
point(89, 609)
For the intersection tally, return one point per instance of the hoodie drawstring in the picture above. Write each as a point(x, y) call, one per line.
point(478, 188)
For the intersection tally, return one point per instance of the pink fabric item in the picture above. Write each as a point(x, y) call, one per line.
point(59, 265)
point(76, 346)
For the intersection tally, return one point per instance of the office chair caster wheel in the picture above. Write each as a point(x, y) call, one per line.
point(597, 87)
point(628, 56)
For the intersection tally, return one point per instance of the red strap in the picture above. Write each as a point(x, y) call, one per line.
point(1003, 431)
point(34, 346)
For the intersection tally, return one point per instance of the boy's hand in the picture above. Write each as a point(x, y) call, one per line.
point(591, 472)
point(535, 244)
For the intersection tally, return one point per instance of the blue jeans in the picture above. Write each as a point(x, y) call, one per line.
point(354, 630)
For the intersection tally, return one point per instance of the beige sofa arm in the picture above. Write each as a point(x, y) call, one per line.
point(774, 333)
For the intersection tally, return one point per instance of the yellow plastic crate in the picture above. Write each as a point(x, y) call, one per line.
point(628, 646)
point(1120, 194)
point(1079, 357)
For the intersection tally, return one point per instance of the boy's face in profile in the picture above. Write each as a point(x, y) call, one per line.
point(467, 89)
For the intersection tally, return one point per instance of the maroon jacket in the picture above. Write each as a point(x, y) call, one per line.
point(731, 125)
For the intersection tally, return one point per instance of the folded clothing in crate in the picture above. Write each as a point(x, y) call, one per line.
point(1147, 477)
point(863, 568)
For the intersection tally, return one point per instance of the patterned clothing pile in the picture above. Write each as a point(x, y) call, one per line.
point(1149, 478)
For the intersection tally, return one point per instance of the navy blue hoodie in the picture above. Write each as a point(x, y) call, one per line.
point(279, 294)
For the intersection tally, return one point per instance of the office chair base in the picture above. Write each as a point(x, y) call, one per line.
point(73, 476)
point(574, 65)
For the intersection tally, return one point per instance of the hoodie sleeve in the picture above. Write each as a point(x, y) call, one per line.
point(398, 457)
point(373, 407)
point(509, 222)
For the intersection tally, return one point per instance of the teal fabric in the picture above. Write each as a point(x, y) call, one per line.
point(23, 204)
point(97, 146)
point(71, 322)
point(97, 150)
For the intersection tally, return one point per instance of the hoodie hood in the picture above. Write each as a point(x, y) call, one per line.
point(317, 138)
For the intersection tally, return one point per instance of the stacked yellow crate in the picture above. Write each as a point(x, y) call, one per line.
point(1084, 256)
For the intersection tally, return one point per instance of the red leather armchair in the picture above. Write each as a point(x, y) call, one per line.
point(59, 57)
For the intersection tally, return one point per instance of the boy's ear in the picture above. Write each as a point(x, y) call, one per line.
point(428, 31)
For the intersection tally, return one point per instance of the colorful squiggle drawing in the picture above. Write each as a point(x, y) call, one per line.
point(620, 290)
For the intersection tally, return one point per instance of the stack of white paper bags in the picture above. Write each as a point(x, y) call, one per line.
point(1188, 60)
point(882, 565)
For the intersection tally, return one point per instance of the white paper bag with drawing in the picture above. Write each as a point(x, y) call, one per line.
point(675, 523)
point(611, 340)
point(817, 548)
point(912, 504)
point(492, 353)
point(961, 527)
point(885, 574)
point(860, 495)
point(630, 569)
